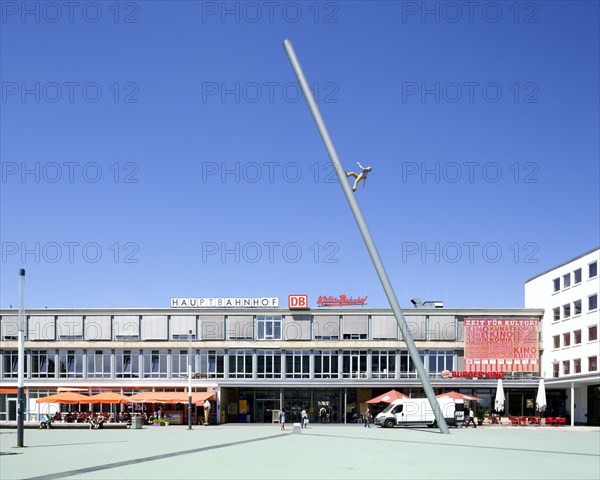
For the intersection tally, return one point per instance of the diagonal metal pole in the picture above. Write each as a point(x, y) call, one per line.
point(364, 230)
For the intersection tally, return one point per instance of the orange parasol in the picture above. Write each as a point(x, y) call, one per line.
point(109, 397)
point(457, 396)
point(387, 397)
point(64, 397)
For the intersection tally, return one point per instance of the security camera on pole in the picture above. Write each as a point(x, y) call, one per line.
point(21, 361)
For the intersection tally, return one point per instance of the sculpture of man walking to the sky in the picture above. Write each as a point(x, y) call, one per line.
point(359, 176)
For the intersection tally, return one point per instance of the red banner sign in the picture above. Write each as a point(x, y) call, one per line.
point(342, 301)
point(501, 345)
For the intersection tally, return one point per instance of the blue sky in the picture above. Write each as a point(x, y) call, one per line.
point(161, 149)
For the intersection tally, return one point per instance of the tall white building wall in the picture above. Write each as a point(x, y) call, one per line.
point(569, 295)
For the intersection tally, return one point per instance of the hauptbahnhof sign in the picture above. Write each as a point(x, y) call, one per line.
point(225, 302)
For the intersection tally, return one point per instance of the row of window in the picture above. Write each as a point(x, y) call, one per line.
point(231, 363)
point(229, 327)
point(574, 309)
point(570, 367)
point(575, 336)
point(574, 278)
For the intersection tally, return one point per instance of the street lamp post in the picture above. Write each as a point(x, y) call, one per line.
point(190, 380)
point(21, 361)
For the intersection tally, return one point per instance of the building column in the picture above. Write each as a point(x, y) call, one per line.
point(572, 404)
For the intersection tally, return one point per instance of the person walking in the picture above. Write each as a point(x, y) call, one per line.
point(303, 418)
point(282, 419)
point(470, 419)
point(367, 418)
point(323, 414)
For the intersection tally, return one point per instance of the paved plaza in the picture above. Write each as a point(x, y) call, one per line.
point(239, 451)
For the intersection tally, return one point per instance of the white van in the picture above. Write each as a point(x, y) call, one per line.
point(417, 411)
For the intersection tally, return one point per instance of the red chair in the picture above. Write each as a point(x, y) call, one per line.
point(561, 421)
point(534, 421)
point(513, 420)
point(550, 421)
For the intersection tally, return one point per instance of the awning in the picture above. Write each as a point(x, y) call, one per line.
point(10, 390)
point(170, 397)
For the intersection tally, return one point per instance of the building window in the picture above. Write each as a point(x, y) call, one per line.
point(592, 270)
point(577, 307)
point(383, 364)
point(567, 280)
point(212, 364)
point(240, 363)
point(98, 364)
point(70, 364)
point(354, 364)
point(566, 339)
point(179, 364)
point(269, 327)
point(268, 364)
point(556, 340)
point(127, 364)
point(592, 364)
point(566, 310)
point(155, 363)
point(566, 367)
point(407, 367)
point(440, 360)
point(577, 365)
point(556, 284)
point(555, 370)
point(326, 364)
point(556, 314)
point(593, 333)
point(577, 337)
point(42, 364)
point(577, 276)
point(297, 364)
point(11, 364)
point(592, 302)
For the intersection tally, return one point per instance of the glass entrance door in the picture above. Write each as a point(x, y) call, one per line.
point(264, 409)
point(12, 409)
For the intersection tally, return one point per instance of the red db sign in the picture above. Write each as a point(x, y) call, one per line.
point(298, 302)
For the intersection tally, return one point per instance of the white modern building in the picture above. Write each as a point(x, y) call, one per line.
point(569, 363)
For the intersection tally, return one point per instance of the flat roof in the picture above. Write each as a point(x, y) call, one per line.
point(562, 264)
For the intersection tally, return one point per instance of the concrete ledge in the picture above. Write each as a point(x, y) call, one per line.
point(58, 425)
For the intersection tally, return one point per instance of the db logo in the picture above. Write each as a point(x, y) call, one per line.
point(298, 302)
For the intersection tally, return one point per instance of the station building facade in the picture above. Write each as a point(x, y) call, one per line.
point(256, 360)
point(569, 295)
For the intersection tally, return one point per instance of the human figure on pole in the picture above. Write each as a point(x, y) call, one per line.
point(359, 176)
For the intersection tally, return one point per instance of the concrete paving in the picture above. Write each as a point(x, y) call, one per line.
point(252, 451)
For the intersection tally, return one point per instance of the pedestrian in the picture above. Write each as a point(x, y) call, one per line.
point(367, 418)
point(470, 419)
point(323, 414)
point(303, 418)
point(282, 419)
point(46, 422)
